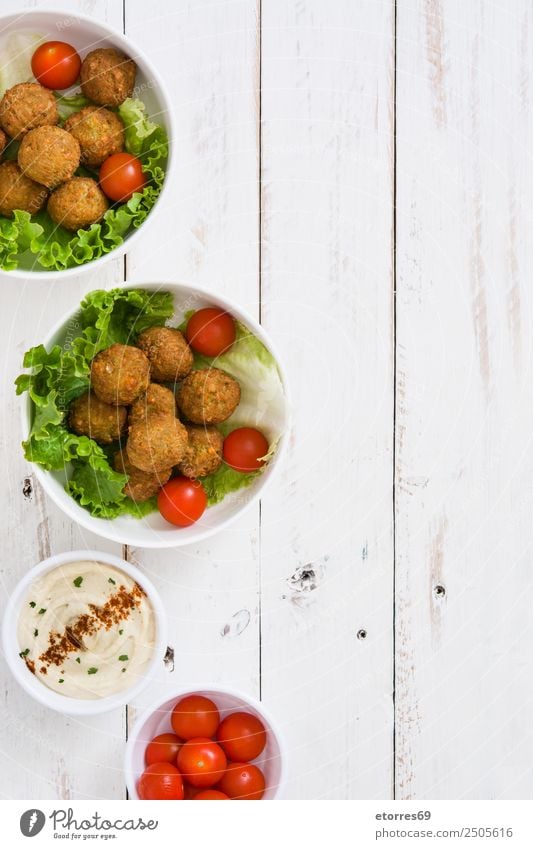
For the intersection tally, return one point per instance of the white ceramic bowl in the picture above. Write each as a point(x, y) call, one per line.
point(32, 684)
point(85, 34)
point(153, 531)
point(156, 720)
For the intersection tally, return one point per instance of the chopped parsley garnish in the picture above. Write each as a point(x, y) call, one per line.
point(121, 631)
point(42, 610)
point(78, 581)
point(78, 660)
point(92, 670)
point(111, 581)
point(61, 681)
point(123, 670)
point(32, 604)
point(24, 653)
point(35, 632)
point(123, 657)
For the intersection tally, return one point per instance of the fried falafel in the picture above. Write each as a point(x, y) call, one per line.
point(141, 485)
point(107, 76)
point(19, 192)
point(156, 443)
point(99, 131)
point(170, 357)
point(26, 106)
point(208, 396)
point(157, 400)
point(49, 155)
point(4, 141)
point(88, 416)
point(78, 203)
point(203, 454)
point(119, 374)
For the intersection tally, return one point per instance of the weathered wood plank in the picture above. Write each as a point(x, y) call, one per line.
point(326, 538)
point(464, 400)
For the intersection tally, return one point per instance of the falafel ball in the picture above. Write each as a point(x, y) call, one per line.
point(159, 442)
point(157, 400)
point(141, 485)
point(78, 203)
point(203, 455)
point(89, 416)
point(170, 357)
point(100, 133)
point(26, 106)
point(19, 192)
point(119, 374)
point(208, 396)
point(107, 76)
point(3, 142)
point(49, 155)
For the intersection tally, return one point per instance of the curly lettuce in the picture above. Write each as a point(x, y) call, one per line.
point(54, 248)
point(60, 375)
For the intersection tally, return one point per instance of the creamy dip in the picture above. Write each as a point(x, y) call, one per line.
point(86, 630)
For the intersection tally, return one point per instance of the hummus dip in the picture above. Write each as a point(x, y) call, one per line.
point(86, 630)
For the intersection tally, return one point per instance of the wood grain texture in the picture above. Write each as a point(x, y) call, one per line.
point(464, 400)
point(46, 755)
point(326, 535)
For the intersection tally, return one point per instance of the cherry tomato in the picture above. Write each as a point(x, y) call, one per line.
point(160, 781)
point(162, 749)
point(201, 762)
point(182, 501)
point(243, 449)
point(242, 781)
point(189, 792)
point(210, 331)
point(195, 716)
point(211, 794)
point(56, 64)
point(242, 736)
point(121, 175)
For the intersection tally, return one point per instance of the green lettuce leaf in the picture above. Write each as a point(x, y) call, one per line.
point(118, 315)
point(67, 105)
point(17, 235)
point(224, 481)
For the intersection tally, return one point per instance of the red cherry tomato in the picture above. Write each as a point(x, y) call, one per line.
point(242, 781)
point(210, 331)
point(121, 175)
point(201, 762)
point(182, 501)
point(211, 794)
point(56, 64)
point(195, 716)
point(243, 449)
point(189, 792)
point(162, 749)
point(160, 781)
point(242, 736)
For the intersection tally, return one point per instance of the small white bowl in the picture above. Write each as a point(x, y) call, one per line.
point(39, 691)
point(85, 34)
point(156, 720)
point(153, 531)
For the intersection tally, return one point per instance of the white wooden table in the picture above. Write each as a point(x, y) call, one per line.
point(361, 178)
